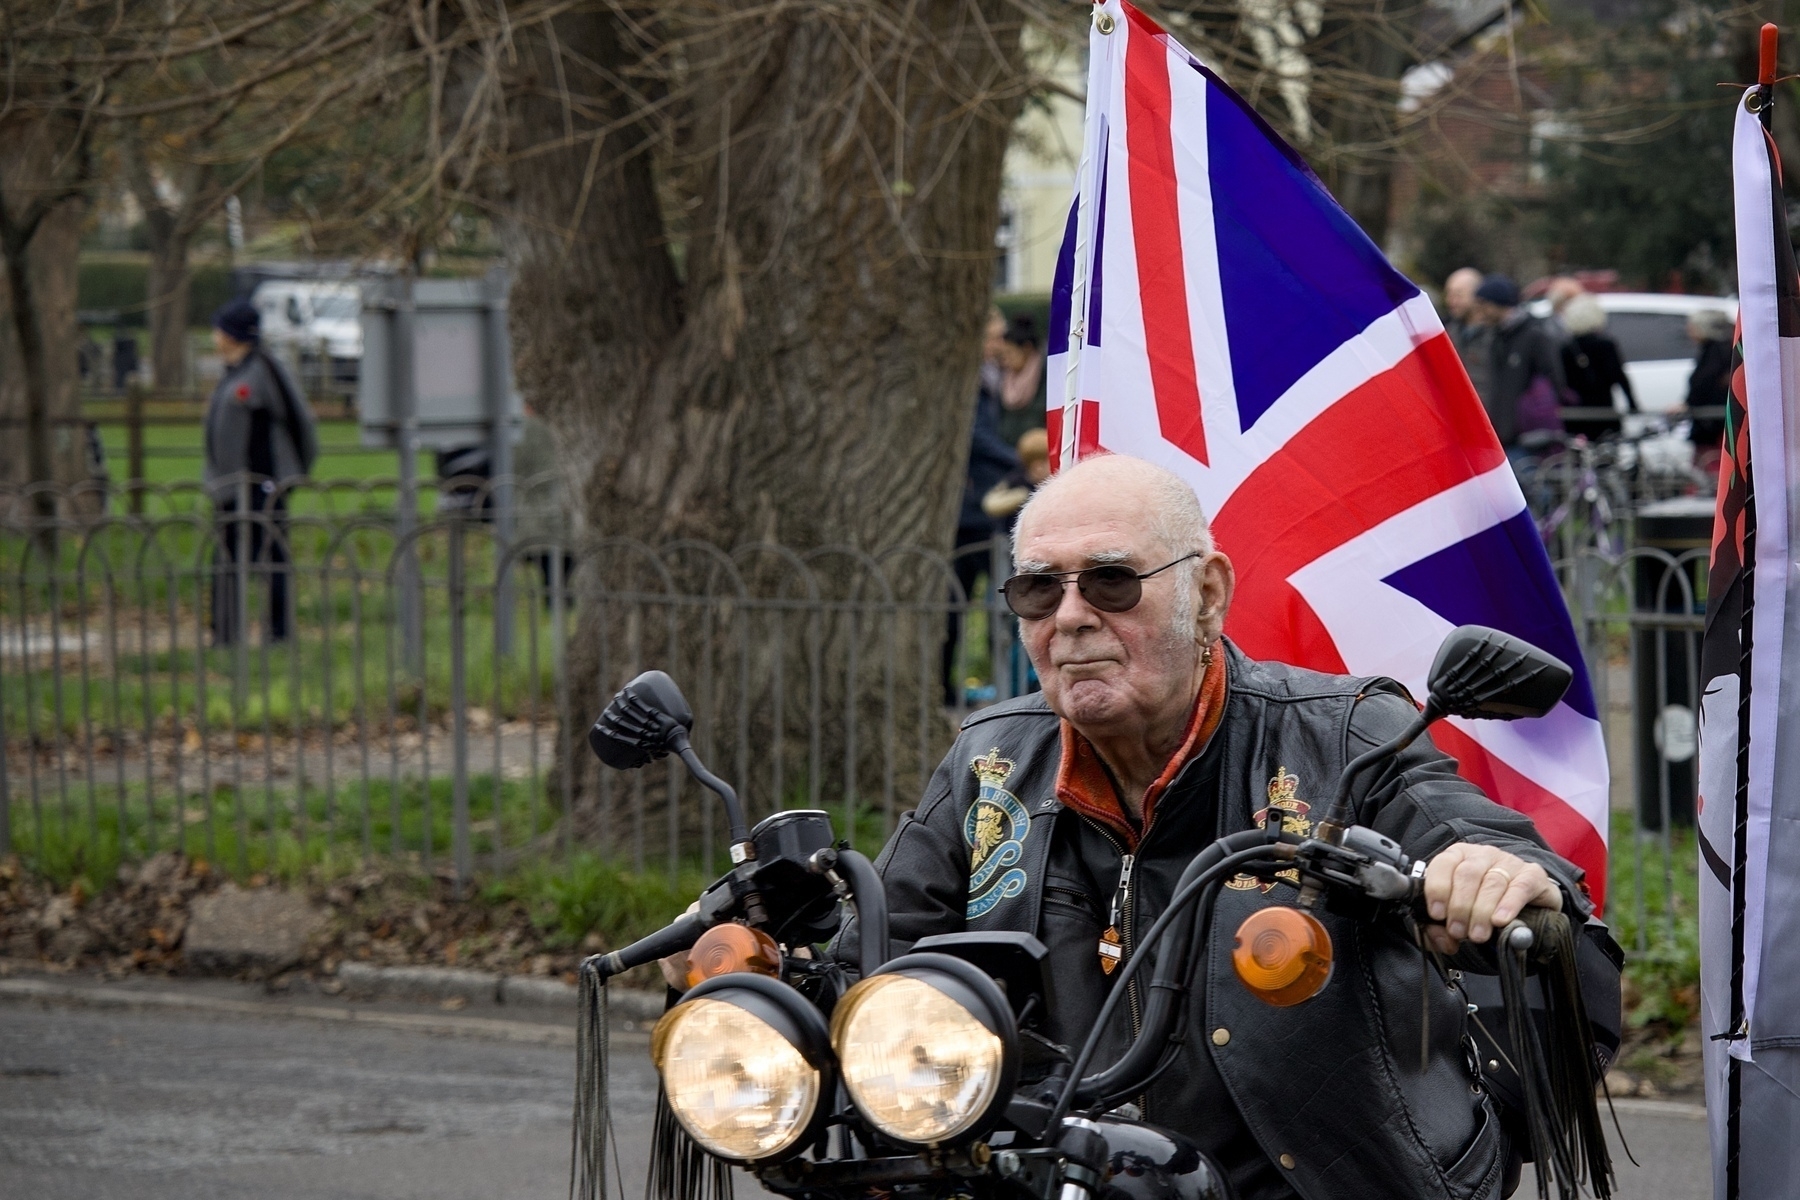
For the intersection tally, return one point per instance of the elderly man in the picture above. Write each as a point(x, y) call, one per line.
point(1071, 814)
point(1471, 338)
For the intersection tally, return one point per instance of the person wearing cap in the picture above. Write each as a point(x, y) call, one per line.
point(1525, 372)
point(259, 434)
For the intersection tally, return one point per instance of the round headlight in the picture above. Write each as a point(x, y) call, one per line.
point(735, 1078)
point(924, 1052)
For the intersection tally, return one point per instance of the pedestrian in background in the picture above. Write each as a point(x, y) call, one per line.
point(260, 433)
point(990, 460)
point(541, 505)
point(1708, 386)
point(1471, 338)
point(1021, 379)
point(124, 358)
point(1525, 384)
point(1562, 292)
point(1593, 366)
point(1004, 500)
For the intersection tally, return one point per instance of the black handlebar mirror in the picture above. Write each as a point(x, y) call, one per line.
point(1483, 673)
point(647, 719)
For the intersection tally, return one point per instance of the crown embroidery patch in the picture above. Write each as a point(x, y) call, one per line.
point(995, 831)
point(1283, 801)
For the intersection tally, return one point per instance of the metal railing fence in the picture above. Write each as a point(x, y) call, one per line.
point(303, 674)
point(315, 680)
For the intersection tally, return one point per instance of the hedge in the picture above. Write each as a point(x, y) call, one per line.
point(122, 286)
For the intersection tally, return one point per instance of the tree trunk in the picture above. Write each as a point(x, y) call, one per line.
point(1364, 52)
point(43, 440)
point(810, 380)
point(168, 299)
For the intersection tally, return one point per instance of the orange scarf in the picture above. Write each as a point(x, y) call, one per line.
point(1083, 784)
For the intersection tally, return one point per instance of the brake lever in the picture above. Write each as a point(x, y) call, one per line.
point(1360, 860)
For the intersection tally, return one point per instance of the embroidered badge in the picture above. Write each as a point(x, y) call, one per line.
point(1283, 799)
point(995, 831)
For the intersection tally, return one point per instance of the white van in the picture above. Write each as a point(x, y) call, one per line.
point(316, 323)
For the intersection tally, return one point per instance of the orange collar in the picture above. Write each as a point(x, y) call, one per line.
point(1083, 784)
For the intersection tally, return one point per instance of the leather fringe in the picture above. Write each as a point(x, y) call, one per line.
point(679, 1168)
point(1568, 1143)
point(587, 1146)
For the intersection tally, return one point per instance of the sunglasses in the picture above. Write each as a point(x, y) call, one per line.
point(1113, 588)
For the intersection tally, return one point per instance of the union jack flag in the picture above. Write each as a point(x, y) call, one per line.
point(1215, 311)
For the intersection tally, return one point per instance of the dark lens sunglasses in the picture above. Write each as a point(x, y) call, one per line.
point(1113, 588)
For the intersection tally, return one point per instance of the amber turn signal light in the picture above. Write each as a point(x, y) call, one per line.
point(1282, 955)
point(726, 948)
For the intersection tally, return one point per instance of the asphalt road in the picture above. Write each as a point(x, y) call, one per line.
point(99, 1103)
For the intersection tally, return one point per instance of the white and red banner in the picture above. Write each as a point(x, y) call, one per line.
point(1217, 312)
point(1749, 823)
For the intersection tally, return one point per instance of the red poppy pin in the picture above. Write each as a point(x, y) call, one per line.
point(243, 392)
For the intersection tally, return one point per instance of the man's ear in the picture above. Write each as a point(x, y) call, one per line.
point(1218, 580)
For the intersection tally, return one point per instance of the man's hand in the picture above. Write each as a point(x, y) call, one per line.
point(1475, 889)
point(675, 967)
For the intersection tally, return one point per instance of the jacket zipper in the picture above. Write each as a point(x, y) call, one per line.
point(1120, 918)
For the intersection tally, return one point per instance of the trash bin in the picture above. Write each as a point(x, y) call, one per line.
point(1665, 724)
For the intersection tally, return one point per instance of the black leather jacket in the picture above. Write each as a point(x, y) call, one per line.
point(1331, 1089)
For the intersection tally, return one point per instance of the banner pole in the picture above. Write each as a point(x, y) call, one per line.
point(1765, 78)
point(1084, 238)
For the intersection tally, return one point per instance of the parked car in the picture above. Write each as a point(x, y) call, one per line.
point(318, 324)
point(1651, 329)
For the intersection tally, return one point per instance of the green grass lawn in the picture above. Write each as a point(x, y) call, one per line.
point(273, 830)
point(1653, 906)
point(129, 649)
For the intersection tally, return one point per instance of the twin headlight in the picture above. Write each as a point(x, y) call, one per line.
point(927, 1050)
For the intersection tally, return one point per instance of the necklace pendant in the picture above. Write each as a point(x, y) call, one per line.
point(1112, 951)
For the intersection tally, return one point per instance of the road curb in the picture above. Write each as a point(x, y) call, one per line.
point(437, 984)
point(44, 991)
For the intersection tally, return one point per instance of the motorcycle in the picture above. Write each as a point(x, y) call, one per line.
point(925, 1074)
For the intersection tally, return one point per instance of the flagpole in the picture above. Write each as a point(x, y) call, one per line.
point(1740, 856)
point(1084, 237)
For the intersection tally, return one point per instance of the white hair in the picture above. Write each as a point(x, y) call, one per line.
point(1174, 517)
point(1583, 314)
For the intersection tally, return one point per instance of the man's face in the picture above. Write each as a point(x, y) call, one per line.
point(994, 347)
point(1459, 293)
point(1111, 673)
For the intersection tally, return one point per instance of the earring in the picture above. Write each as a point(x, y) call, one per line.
point(1206, 656)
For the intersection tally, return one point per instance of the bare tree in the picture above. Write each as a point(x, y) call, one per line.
point(46, 170)
point(78, 70)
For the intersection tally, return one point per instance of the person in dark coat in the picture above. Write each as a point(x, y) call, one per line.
point(1708, 386)
point(125, 358)
point(990, 461)
point(1525, 383)
point(1593, 366)
point(259, 434)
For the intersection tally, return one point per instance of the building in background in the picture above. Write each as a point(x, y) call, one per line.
point(1041, 165)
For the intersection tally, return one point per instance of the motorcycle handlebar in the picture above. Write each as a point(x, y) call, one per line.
point(870, 899)
point(679, 934)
